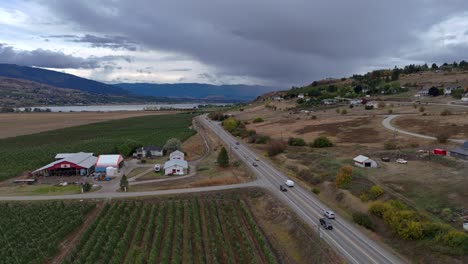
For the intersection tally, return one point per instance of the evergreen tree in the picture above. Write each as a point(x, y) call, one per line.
point(223, 158)
point(124, 183)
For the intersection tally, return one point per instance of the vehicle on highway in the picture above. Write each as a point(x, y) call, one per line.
point(237, 142)
point(329, 214)
point(326, 223)
point(401, 161)
point(236, 147)
point(282, 188)
point(289, 183)
point(254, 164)
point(257, 159)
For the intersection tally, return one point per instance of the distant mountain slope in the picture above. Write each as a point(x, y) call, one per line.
point(58, 79)
point(200, 91)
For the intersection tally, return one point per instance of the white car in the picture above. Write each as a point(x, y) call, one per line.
point(289, 183)
point(401, 161)
point(329, 214)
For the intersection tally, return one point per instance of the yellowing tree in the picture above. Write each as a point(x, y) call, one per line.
point(230, 124)
point(344, 177)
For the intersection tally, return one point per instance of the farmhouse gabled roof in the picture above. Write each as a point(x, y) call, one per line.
point(463, 150)
point(360, 158)
point(176, 162)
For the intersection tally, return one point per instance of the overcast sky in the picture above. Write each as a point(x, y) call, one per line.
point(280, 43)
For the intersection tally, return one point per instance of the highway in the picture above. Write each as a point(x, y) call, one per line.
point(350, 242)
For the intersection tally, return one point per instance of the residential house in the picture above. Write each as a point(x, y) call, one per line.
point(176, 167)
point(177, 155)
point(449, 88)
point(149, 152)
point(423, 92)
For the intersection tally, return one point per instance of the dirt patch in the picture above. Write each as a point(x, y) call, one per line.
point(456, 126)
point(194, 147)
point(17, 124)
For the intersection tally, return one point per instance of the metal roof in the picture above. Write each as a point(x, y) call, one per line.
point(64, 155)
point(360, 158)
point(176, 162)
point(109, 160)
point(85, 160)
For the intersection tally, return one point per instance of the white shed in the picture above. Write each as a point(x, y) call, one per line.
point(175, 167)
point(177, 155)
point(364, 162)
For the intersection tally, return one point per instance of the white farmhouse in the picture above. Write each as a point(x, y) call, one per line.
point(177, 155)
point(175, 167)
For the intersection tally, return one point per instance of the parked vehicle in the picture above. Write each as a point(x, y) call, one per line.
point(401, 161)
point(326, 223)
point(329, 214)
point(385, 159)
point(157, 167)
point(282, 188)
point(289, 183)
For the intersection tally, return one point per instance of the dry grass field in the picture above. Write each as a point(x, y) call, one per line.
point(29, 123)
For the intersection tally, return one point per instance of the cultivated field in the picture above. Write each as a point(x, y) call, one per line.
point(31, 233)
point(30, 152)
point(174, 231)
point(17, 124)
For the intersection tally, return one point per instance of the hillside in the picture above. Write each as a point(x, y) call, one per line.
point(19, 93)
point(198, 91)
point(58, 79)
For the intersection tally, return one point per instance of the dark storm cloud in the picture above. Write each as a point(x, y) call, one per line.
point(289, 42)
point(52, 59)
point(112, 42)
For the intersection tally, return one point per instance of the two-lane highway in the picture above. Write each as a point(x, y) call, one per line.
point(355, 246)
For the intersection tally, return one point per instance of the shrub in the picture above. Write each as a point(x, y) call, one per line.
point(381, 104)
point(442, 137)
point(446, 112)
point(379, 208)
point(363, 219)
point(375, 192)
point(304, 174)
point(275, 147)
point(344, 177)
point(390, 145)
point(316, 191)
point(344, 112)
point(296, 142)
point(337, 110)
point(258, 120)
point(87, 187)
point(364, 197)
point(422, 109)
point(321, 142)
point(390, 111)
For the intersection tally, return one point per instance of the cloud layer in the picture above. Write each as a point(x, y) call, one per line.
point(281, 42)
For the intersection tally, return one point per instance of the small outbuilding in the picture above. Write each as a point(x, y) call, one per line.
point(149, 152)
point(461, 152)
point(364, 162)
point(176, 167)
point(177, 155)
point(105, 161)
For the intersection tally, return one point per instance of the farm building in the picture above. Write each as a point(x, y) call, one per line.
point(105, 161)
point(461, 152)
point(64, 155)
point(177, 155)
point(175, 167)
point(71, 164)
point(364, 162)
point(149, 151)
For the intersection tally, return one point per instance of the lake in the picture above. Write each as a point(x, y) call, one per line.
point(111, 108)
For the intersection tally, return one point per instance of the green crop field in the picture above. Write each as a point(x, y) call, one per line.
point(31, 233)
point(30, 152)
point(173, 231)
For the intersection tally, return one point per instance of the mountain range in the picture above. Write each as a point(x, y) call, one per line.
point(26, 79)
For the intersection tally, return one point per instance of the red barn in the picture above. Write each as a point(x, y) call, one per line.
point(69, 164)
point(440, 152)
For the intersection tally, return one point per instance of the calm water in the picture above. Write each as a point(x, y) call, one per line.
point(110, 108)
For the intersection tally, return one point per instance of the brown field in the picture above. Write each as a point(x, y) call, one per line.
point(436, 78)
point(18, 124)
point(454, 125)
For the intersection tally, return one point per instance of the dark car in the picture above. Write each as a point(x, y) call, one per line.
point(254, 164)
point(237, 143)
point(282, 188)
point(326, 223)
